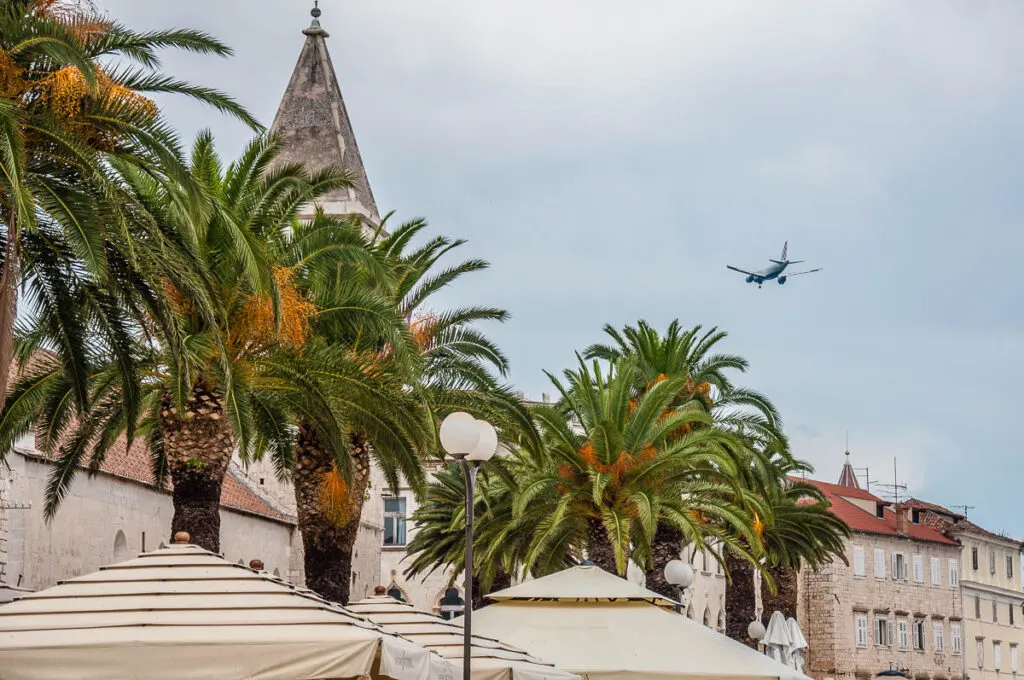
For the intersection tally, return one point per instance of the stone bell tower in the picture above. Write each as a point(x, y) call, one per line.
point(313, 125)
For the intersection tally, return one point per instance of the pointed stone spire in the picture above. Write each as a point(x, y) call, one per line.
point(315, 129)
point(847, 477)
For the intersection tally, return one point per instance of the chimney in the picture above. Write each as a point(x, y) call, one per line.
point(901, 518)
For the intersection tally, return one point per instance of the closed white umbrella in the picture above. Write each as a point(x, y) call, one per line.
point(797, 645)
point(776, 638)
point(492, 659)
point(184, 612)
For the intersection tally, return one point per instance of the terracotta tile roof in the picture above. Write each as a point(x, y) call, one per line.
point(134, 465)
point(860, 520)
point(950, 521)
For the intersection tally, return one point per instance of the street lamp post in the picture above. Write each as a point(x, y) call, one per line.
point(472, 442)
point(679, 574)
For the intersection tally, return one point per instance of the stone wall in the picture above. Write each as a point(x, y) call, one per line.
point(5, 499)
point(832, 597)
point(105, 517)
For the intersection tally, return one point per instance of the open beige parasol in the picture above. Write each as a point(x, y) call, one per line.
point(184, 612)
point(492, 659)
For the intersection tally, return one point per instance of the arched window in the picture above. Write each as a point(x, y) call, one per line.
point(690, 614)
point(452, 604)
point(721, 621)
point(396, 592)
point(707, 616)
point(277, 573)
point(120, 547)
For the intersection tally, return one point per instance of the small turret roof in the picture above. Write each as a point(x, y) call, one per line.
point(314, 127)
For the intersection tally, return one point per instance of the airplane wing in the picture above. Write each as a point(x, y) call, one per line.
point(741, 271)
point(809, 271)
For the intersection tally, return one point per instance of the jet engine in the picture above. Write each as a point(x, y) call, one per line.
point(782, 280)
point(750, 279)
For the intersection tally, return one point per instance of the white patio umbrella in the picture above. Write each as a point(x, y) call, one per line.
point(797, 645)
point(776, 638)
point(9, 593)
point(184, 612)
point(491, 660)
point(602, 627)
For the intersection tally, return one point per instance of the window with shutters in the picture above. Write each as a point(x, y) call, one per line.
point(1013, 658)
point(861, 626)
point(974, 558)
point(936, 572)
point(997, 656)
point(879, 563)
point(937, 633)
point(981, 653)
point(995, 612)
point(954, 574)
point(991, 561)
point(919, 634)
point(918, 569)
point(977, 607)
point(1010, 607)
point(956, 640)
point(858, 561)
point(881, 632)
point(899, 567)
point(1009, 566)
point(903, 633)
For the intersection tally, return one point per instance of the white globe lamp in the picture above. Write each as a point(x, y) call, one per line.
point(459, 434)
point(679, 574)
point(486, 445)
point(756, 631)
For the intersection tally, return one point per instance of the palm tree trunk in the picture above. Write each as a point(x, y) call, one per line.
point(8, 306)
point(328, 545)
point(785, 597)
point(199, 447)
point(502, 580)
point(740, 598)
point(666, 546)
point(599, 547)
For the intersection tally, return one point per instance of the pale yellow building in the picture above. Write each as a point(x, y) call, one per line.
point(993, 597)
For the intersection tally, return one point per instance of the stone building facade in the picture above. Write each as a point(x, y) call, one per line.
point(117, 513)
point(993, 598)
point(896, 605)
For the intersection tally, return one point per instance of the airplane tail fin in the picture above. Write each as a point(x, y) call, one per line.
point(785, 248)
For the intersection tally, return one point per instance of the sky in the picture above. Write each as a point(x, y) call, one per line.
point(609, 159)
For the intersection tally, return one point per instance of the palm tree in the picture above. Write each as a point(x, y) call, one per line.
point(500, 540)
point(615, 464)
point(802, 531)
point(73, 107)
point(205, 379)
point(796, 527)
point(688, 354)
point(438, 359)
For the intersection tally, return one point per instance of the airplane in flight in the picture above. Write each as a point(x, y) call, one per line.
point(773, 272)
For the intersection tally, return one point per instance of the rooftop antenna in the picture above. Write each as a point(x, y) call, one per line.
point(965, 508)
point(894, 488)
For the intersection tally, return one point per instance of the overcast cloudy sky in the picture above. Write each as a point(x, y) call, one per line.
point(610, 158)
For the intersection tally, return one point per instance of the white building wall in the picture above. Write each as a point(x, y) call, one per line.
point(425, 592)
